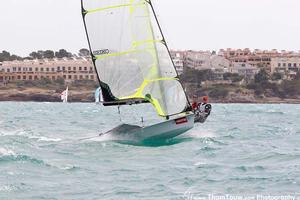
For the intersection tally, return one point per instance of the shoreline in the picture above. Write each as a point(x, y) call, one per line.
point(86, 95)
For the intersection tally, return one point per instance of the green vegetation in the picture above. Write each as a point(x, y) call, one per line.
point(263, 85)
point(6, 56)
point(41, 54)
point(233, 77)
point(57, 85)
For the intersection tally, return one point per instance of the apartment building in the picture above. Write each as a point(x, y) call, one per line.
point(70, 69)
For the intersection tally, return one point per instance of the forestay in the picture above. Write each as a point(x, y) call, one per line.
point(130, 55)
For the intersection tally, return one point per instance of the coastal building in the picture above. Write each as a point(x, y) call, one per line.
point(178, 60)
point(287, 65)
point(178, 65)
point(70, 69)
point(257, 58)
point(205, 60)
point(244, 69)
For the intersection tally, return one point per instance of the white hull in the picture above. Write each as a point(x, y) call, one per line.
point(162, 131)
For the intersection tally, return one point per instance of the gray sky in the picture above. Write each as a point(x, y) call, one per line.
point(27, 25)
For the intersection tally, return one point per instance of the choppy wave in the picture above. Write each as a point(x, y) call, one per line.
point(240, 149)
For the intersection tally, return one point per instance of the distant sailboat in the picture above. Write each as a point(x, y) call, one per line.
point(64, 95)
point(134, 66)
point(98, 95)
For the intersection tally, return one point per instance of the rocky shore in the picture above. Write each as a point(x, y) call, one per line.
point(44, 95)
point(87, 95)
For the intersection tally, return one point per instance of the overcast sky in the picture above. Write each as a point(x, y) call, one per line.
point(28, 25)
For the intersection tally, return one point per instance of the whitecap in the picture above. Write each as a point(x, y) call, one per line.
point(6, 188)
point(46, 139)
point(6, 152)
point(194, 133)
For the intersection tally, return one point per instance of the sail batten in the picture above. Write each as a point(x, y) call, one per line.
point(112, 7)
point(130, 55)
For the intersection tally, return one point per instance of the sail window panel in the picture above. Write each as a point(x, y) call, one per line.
point(97, 4)
point(170, 96)
point(126, 73)
point(109, 32)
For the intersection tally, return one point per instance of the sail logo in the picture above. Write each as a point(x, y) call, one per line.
point(101, 52)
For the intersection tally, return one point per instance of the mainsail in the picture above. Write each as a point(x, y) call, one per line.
point(131, 57)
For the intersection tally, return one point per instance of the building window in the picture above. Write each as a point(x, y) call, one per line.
point(80, 77)
point(74, 68)
point(42, 69)
point(24, 77)
point(70, 77)
point(290, 64)
point(36, 69)
point(69, 68)
point(14, 69)
point(30, 77)
point(47, 69)
point(58, 68)
point(85, 68)
point(86, 76)
point(63, 68)
point(91, 69)
point(75, 77)
point(19, 69)
point(53, 69)
point(65, 77)
point(53, 77)
point(92, 77)
point(8, 70)
point(80, 68)
point(295, 64)
point(284, 64)
point(35, 77)
point(19, 77)
point(279, 64)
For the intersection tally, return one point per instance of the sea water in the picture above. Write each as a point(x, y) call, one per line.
point(49, 151)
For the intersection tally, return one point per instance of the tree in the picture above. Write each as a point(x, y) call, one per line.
point(276, 76)
point(262, 76)
point(48, 54)
point(234, 77)
point(15, 57)
point(84, 52)
point(297, 77)
point(62, 53)
point(41, 54)
point(4, 56)
point(34, 55)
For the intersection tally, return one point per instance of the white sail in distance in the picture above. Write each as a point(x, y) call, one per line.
point(64, 95)
point(131, 56)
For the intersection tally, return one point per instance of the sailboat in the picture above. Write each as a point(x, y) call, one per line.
point(134, 66)
point(98, 95)
point(64, 95)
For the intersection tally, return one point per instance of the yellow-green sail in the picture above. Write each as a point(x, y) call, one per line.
point(130, 55)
